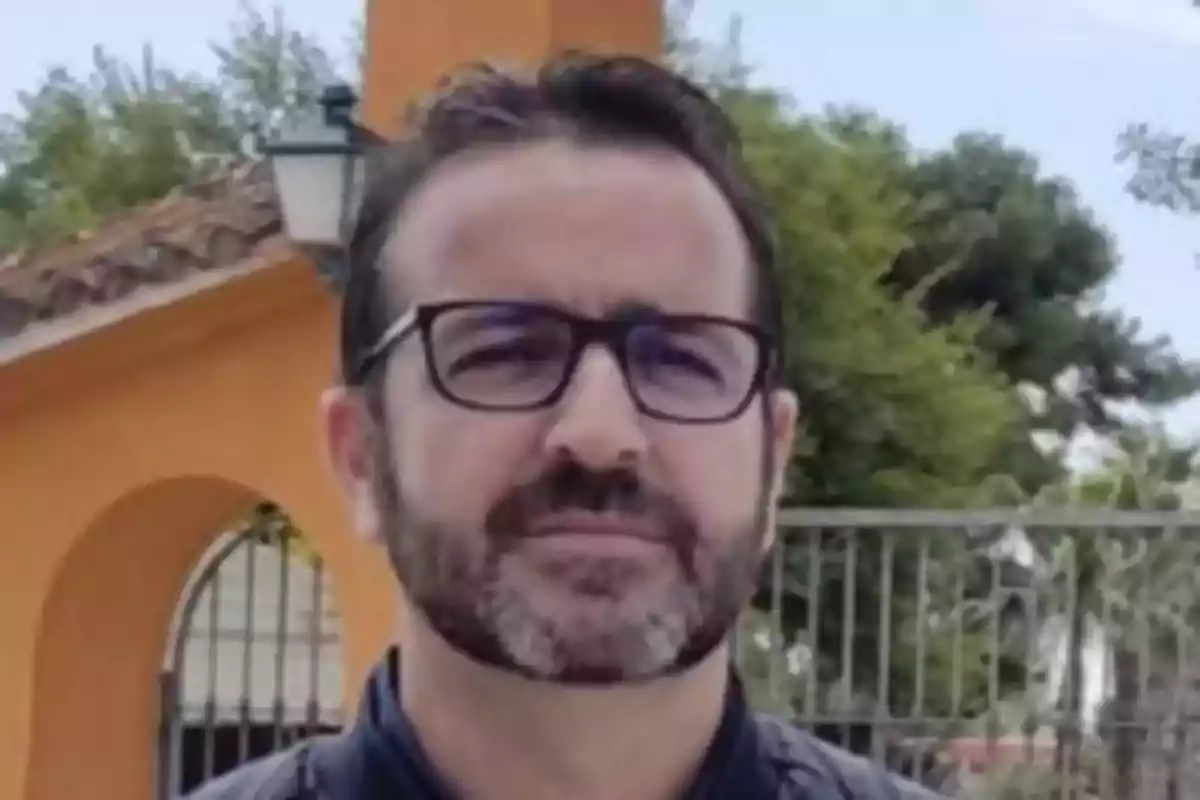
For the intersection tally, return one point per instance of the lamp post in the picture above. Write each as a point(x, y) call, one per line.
point(318, 165)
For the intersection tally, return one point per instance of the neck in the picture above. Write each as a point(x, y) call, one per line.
point(495, 736)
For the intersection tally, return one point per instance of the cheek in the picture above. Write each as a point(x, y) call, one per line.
point(454, 464)
point(717, 471)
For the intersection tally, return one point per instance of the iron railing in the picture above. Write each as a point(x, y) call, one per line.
point(990, 654)
point(256, 660)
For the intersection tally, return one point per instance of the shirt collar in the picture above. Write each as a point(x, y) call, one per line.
point(387, 759)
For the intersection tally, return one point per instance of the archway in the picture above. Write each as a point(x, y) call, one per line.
point(106, 625)
point(255, 660)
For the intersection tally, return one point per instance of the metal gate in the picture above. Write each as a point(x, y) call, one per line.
point(255, 659)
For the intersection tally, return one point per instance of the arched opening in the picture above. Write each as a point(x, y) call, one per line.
point(104, 624)
point(255, 661)
point(106, 617)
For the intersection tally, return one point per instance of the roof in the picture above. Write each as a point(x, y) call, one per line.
point(215, 224)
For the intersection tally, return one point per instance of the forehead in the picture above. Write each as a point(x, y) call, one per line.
point(583, 227)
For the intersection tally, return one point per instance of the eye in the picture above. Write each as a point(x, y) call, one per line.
point(655, 352)
point(519, 351)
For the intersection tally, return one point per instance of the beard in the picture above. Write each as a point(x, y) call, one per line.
point(474, 587)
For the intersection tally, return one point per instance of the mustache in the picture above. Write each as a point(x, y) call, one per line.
point(571, 486)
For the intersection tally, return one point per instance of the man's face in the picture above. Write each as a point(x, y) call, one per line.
point(583, 542)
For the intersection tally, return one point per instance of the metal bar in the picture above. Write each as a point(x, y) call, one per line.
point(281, 641)
point(849, 597)
point(1068, 724)
point(922, 633)
point(174, 709)
point(244, 708)
point(1144, 663)
point(884, 664)
point(983, 518)
point(922, 623)
point(958, 645)
point(168, 701)
point(313, 709)
point(1107, 623)
point(1032, 715)
point(210, 703)
point(1184, 689)
point(995, 606)
point(813, 589)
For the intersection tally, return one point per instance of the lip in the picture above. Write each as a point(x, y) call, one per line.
point(582, 523)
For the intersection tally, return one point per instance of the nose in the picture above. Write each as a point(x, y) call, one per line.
point(596, 422)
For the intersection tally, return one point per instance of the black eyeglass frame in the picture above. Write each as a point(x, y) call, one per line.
point(586, 331)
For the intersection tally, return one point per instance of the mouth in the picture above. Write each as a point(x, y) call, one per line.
point(597, 530)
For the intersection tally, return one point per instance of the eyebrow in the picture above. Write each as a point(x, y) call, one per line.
point(631, 308)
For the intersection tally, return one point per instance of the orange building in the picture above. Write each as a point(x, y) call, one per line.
point(158, 381)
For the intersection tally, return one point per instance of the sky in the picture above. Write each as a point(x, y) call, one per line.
point(1059, 78)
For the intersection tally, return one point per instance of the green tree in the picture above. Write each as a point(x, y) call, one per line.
point(1165, 164)
point(993, 238)
point(994, 233)
point(1165, 167)
point(898, 408)
point(82, 149)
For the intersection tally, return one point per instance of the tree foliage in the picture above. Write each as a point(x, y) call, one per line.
point(82, 149)
point(896, 409)
point(996, 235)
point(993, 240)
point(1165, 167)
point(1165, 164)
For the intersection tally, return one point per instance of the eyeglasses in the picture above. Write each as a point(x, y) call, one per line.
point(521, 356)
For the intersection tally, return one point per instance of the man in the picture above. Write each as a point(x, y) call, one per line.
point(561, 417)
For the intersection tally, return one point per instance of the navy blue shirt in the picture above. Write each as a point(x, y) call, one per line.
point(382, 758)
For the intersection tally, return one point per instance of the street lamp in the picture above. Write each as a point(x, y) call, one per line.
point(318, 165)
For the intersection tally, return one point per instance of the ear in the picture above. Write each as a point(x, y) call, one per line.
point(349, 432)
point(784, 412)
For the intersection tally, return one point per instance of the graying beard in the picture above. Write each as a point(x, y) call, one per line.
point(640, 649)
point(530, 641)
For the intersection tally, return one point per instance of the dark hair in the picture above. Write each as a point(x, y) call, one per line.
point(601, 100)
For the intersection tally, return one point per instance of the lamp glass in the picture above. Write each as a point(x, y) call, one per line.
point(309, 166)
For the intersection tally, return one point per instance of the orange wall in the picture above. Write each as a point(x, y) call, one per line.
point(123, 452)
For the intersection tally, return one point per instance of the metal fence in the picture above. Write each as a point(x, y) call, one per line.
point(256, 659)
point(988, 654)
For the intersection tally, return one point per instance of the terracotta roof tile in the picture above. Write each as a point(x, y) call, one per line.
point(212, 225)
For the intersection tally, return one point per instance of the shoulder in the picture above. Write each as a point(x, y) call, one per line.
point(281, 776)
point(806, 763)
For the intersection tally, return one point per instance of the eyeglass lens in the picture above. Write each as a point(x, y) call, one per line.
point(514, 356)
